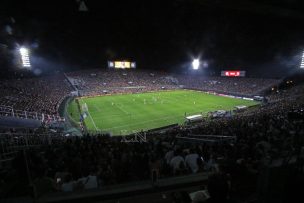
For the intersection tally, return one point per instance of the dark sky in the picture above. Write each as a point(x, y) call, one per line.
point(232, 34)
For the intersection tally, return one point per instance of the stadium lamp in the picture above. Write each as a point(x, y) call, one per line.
point(24, 52)
point(302, 62)
point(195, 64)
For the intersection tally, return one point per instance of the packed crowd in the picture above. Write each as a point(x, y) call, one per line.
point(274, 132)
point(228, 85)
point(96, 82)
point(290, 91)
point(264, 135)
point(42, 94)
point(119, 81)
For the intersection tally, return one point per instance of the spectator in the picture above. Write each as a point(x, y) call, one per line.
point(68, 184)
point(89, 181)
point(192, 161)
point(177, 163)
point(169, 155)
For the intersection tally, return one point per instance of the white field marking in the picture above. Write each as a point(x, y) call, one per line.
point(121, 109)
point(97, 108)
point(93, 121)
point(74, 120)
point(164, 118)
point(111, 116)
point(91, 118)
point(166, 101)
point(148, 121)
point(170, 100)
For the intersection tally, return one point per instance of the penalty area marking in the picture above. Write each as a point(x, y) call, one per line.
point(147, 121)
point(91, 117)
point(120, 108)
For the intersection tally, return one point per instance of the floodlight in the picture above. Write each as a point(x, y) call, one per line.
point(24, 52)
point(195, 64)
point(302, 62)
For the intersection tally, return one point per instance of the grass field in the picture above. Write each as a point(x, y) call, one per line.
point(124, 114)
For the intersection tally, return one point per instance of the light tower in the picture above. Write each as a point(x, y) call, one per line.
point(302, 62)
point(195, 64)
point(25, 58)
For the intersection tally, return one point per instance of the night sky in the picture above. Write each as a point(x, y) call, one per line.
point(262, 38)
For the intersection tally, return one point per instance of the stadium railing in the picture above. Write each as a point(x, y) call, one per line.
point(207, 139)
point(10, 111)
point(12, 143)
point(129, 189)
point(21, 140)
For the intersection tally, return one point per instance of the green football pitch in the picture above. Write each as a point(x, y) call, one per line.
point(125, 114)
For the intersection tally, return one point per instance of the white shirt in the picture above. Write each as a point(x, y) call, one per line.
point(176, 161)
point(89, 182)
point(169, 155)
point(199, 196)
point(191, 161)
point(68, 187)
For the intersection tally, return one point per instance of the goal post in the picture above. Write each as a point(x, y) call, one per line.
point(84, 107)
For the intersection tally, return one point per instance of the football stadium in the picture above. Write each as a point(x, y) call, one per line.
point(182, 101)
point(131, 113)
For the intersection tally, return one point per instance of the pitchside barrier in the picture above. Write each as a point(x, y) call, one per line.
point(194, 118)
point(162, 128)
point(106, 133)
point(224, 94)
point(145, 189)
point(207, 139)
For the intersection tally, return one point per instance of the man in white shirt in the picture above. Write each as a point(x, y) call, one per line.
point(168, 156)
point(89, 182)
point(176, 162)
point(68, 184)
point(191, 161)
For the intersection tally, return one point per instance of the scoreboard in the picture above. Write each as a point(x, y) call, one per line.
point(121, 64)
point(233, 73)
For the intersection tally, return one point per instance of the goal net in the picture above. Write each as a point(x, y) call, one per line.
point(84, 107)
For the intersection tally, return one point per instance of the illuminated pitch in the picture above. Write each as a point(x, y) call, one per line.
point(125, 114)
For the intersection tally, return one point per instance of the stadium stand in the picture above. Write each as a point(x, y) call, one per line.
point(41, 95)
point(96, 82)
point(228, 85)
point(269, 135)
point(44, 94)
point(265, 137)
